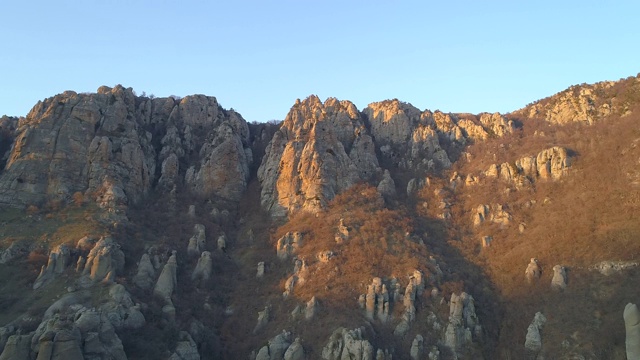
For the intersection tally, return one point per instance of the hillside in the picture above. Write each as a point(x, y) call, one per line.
point(167, 228)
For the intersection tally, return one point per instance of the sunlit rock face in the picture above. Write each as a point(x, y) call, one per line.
point(320, 150)
point(117, 144)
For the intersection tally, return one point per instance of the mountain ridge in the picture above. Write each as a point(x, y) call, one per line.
point(374, 233)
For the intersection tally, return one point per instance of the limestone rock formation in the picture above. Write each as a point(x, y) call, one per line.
point(222, 242)
point(186, 348)
point(417, 347)
point(280, 347)
point(295, 351)
point(59, 259)
point(263, 319)
point(580, 103)
point(559, 281)
point(197, 241)
point(320, 150)
point(105, 258)
point(311, 309)
point(533, 341)
point(407, 136)
point(103, 143)
point(463, 328)
point(167, 281)
point(260, 270)
point(377, 301)
point(203, 269)
point(71, 330)
point(288, 244)
point(146, 274)
point(631, 317)
point(15, 250)
point(495, 213)
point(549, 164)
point(347, 344)
point(533, 271)
point(387, 187)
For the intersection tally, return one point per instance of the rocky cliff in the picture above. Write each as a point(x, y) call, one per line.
point(170, 228)
point(116, 143)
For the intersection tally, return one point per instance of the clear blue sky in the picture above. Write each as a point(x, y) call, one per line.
point(259, 56)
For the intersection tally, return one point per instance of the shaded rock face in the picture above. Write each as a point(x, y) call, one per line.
point(113, 142)
point(320, 150)
point(407, 136)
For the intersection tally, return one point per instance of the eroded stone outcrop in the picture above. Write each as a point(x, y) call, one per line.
point(631, 317)
point(463, 328)
point(104, 258)
point(167, 281)
point(533, 341)
point(320, 150)
point(580, 103)
point(549, 164)
point(559, 280)
point(103, 144)
point(146, 274)
point(59, 259)
point(197, 241)
point(348, 344)
point(533, 271)
point(203, 269)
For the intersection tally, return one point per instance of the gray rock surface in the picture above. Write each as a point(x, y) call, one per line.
point(146, 274)
point(203, 269)
point(101, 143)
point(348, 344)
point(167, 281)
point(533, 340)
point(104, 258)
point(631, 317)
point(559, 281)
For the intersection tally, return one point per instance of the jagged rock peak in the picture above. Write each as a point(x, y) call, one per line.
point(115, 140)
point(320, 150)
